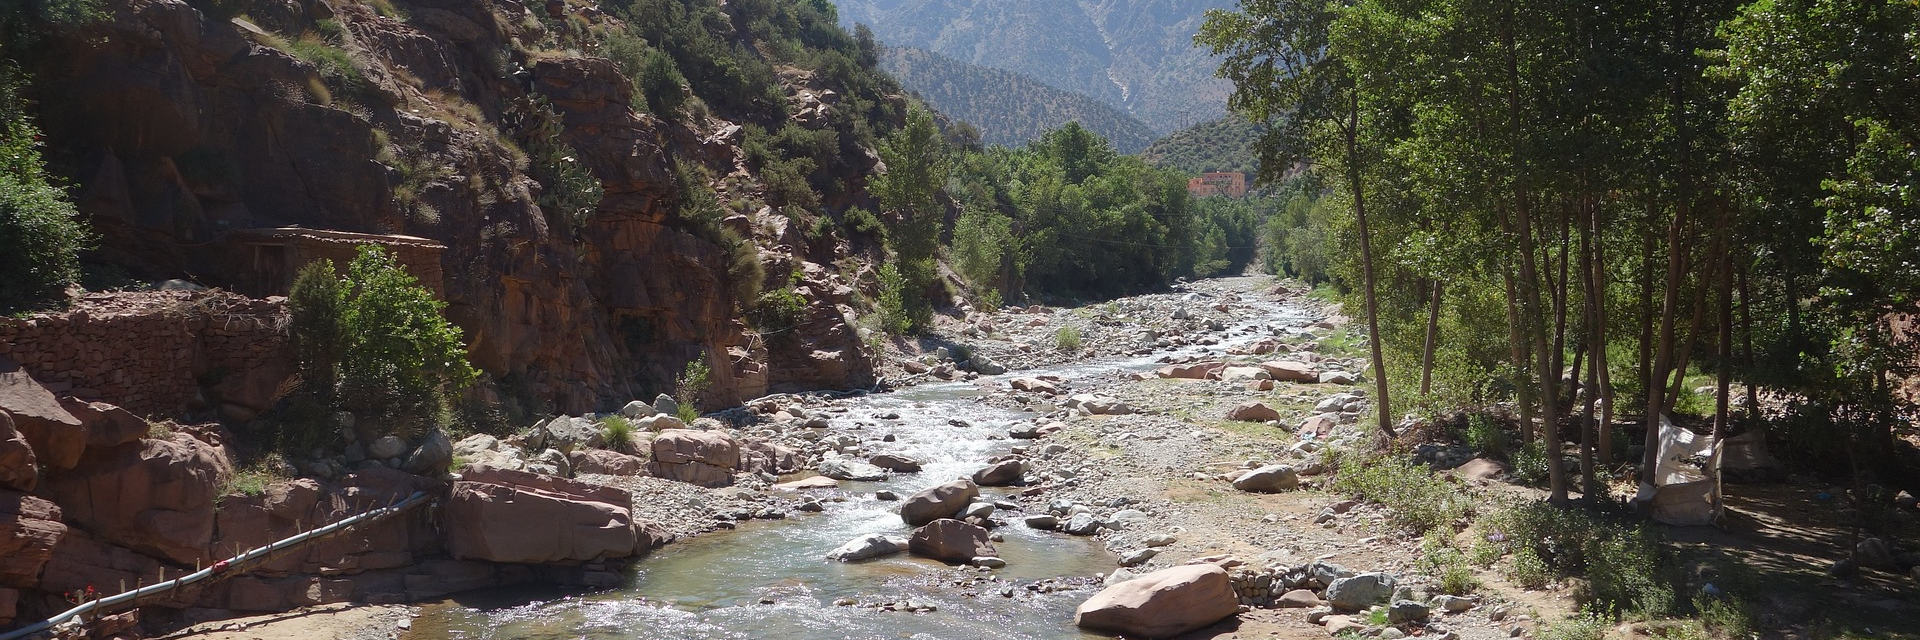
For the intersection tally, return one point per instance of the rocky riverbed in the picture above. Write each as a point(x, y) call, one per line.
point(1100, 464)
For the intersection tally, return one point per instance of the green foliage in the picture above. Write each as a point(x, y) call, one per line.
point(1067, 339)
point(917, 166)
point(41, 236)
point(1447, 565)
point(895, 316)
point(254, 479)
point(779, 309)
point(617, 431)
point(1225, 144)
point(686, 391)
point(1009, 108)
point(316, 301)
point(981, 238)
point(1486, 436)
point(1417, 500)
point(1623, 563)
point(569, 191)
point(1586, 625)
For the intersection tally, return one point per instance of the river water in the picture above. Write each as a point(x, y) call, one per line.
point(770, 579)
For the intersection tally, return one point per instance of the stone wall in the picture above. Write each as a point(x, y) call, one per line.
point(158, 353)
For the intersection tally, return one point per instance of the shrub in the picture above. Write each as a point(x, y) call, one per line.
point(1067, 339)
point(1586, 625)
point(1623, 563)
point(779, 309)
point(1417, 500)
point(570, 191)
point(618, 432)
point(894, 315)
point(1530, 464)
point(1486, 436)
point(41, 235)
point(686, 391)
point(1528, 570)
point(316, 301)
point(254, 479)
point(1448, 565)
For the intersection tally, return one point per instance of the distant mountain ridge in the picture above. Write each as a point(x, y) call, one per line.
point(1135, 55)
point(1009, 108)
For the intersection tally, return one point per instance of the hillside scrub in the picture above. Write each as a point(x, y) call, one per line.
point(41, 236)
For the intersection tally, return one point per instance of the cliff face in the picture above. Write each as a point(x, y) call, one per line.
point(182, 128)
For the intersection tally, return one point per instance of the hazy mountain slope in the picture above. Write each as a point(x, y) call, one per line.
point(1132, 54)
point(1226, 144)
point(1009, 108)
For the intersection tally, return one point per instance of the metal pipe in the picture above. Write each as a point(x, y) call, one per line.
point(225, 568)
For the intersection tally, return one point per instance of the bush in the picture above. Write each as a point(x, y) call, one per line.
point(894, 316)
point(1530, 464)
point(686, 391)
point(779, 309)
point(1067, 339)
point(1438, 558)
point(1418, 500)
point(41, 238)
point(1586, 625)
point(618, 432)
point(1623, 563)
point(1485, 436)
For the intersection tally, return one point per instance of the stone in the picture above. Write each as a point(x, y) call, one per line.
point(1290, 371)
point(1244, 374)
point(815, 482)
point(551, 462)
point(19, 469)
point(500, 515)
point(636, 410)
point(30, 529)
point(1297, 599)
point(872, 545)
point(433, 455)
point(1082, 524)
point(1253, 412)
point(977, 510)
point(659, 422)
point(1453, 604)
point(842, 468)
point(1359, 591)
point(885, 496)
point(1043, 521)
point(1873, 552)
point(606, 463)
point(1138, 558)
point(895, 462)
point(1480, 470)
point(107, 425)
point(1337, 377)
point(1268, 479)
point(388, 446)
point(57, 437)
point(1097, 405)
point(1026, 431)
point(568, 433)
point(938, 501)
point(950, 540)
point(665, 404)
point(1034, 385)
point(1005, 473)
point(1195, 371)
point(1160, 604)
point(1340, 625)
point(704, 458)
point(1405, 611)
point(1319, 426)
point(989, 562)
point(1159, 540)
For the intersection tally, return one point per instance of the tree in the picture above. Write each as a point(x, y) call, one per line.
point(41, 235)
point(1277, 53)
point(917, 167)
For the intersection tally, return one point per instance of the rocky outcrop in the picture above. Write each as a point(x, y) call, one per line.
point(152, 496)
point(30, 528)
point(938, 501)
point(56, 436)
point(19, 468)
point(705, 458)
point(491, 515)
point(1161, 604)
point(604, 462)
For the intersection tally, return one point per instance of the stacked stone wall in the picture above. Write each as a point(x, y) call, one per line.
point(151, 351)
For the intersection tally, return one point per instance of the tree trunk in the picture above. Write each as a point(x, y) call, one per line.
point(1530, 279)
point(1720, 415)
point(1596, 342)
point(1656, 380)
point(1599, 269)
point(1709, 278)
point(1517, 348)
point(1433, 336)
point(1746, 335)
point(1382, 404)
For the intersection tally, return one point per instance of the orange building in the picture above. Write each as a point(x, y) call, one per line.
point(1232, 184)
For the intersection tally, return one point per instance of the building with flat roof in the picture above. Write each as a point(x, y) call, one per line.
point(1232, 184)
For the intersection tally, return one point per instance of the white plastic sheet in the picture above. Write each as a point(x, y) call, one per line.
point(1686, 479)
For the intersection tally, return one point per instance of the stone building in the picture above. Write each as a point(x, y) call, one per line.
point(263, 262)
point(1232, 184)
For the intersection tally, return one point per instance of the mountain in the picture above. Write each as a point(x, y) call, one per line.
point(1226, 144)
point(1136, 55)
point(1009, 108)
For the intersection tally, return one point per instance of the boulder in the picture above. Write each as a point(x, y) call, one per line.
point(815, 482)
point(757, 456)
point(607, 463)
point(1405, 611)
point(636, 410)
point(894, 462)
point(950, 540)
point(1337, 377)
point(1082, 524)
point(872, 545)
point(1268, 479)
point(1045, 521)
point(1253, 412)
point(1161, 604)
point(1243, 374)
point(659, 422)
point(1034, 385)
point(1360, 591)
point(30, 528)
point(1195, 371)
point(107, 425)
point(57, 437)
point(485, 450)
point(18, 467)
point(665, 404)
point(386, 447)
point(1320, 425)
point(1004, 473)
point(151, 496)
point(705, 458)
point(1091, 404)
point(842, 468)
point(567, 433)
point(1291, 371)
point(1480, 470)
point(1297, 599)
point(500, 515)
point(433, 455)
point(939, 501)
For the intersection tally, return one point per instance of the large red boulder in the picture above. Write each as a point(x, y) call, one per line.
point(29, 529)
point(1291, 371)
point(604, 462)
point(1253, 412)
point(152, 496)
point(950, 540)
point(705, 458)
point(19, 469)
point(1195, 371)
point(57, 437)
point(938, 501)
point(107, 425)
point(1161, 604)
point(501, 515)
